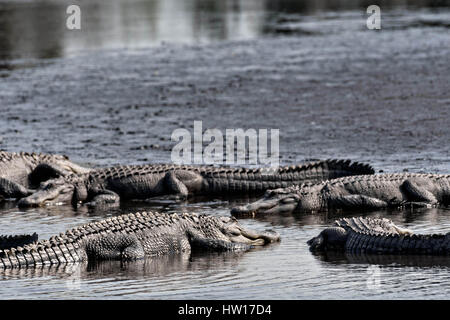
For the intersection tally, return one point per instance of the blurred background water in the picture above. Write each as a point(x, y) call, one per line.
point(36, 29)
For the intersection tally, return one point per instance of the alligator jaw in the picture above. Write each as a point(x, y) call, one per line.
point(34, 201)
point(260, 239)
point(239, 234)
point(44, 197)
point(270, 204)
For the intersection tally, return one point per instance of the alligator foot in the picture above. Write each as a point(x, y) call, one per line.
point(415, 205)
point(104, 198)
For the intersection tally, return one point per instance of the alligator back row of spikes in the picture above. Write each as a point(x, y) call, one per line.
point(8, 156)
point(355, 168)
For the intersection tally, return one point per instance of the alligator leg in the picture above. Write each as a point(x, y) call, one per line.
point(356, 201)
point(205, 244)
point(114, 246)
point(10, 189)
point(104, 198)
point(175, 185)
point(417, 194)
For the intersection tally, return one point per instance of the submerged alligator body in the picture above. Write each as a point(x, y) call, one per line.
point(22, 171)
point(377, 236)
point(108, 185)
point(134, 236)
point(368, 192)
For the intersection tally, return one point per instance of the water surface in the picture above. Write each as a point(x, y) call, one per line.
point(286, 270)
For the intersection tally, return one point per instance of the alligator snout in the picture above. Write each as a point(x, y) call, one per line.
point(274, 204)
point(261, 238)
point(47, 197)
point(31, 201)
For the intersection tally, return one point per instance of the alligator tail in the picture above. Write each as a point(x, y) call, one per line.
point(347, 167)
point(261, 179)
point(7, 242)
point(57, 250)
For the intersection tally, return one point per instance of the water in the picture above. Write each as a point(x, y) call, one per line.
point(115, 91)
point(281, 271)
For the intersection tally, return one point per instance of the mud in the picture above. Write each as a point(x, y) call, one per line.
point(375, 96)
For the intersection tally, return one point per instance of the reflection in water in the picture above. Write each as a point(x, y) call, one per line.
point(38, 30)
point(423, 261)
point(30, 30)
point(153, 267)
point(164, 265)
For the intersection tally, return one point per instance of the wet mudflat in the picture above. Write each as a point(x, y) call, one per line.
point(334, 90)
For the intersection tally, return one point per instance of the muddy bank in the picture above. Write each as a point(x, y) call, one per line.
point(380, 97)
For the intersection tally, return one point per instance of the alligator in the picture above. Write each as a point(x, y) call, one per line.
point(377, 236)
point(109, 185)
point(368, 192)
point(22, 171)
point(135, 236)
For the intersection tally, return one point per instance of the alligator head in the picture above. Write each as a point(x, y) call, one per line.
point(225, 233)
point(52, 191)
point(335, 237)
point(283, 200)
point(236, 233)
point(54, 166)
point(330, 238)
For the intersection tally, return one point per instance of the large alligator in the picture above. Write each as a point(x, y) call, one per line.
point(21, 172)
point(108, 185)
point(368, 192)
point(135, 236)
point(377, 236)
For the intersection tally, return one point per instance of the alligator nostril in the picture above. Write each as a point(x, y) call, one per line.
point(25, 203)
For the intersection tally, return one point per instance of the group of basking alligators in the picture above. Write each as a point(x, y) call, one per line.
point(41, 179)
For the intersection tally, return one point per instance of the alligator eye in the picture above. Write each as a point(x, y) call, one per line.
point(287, 200)
point(48, 186)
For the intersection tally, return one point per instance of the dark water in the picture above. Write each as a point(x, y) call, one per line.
point(113, 93)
